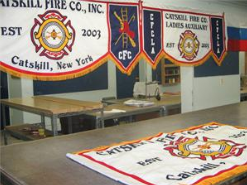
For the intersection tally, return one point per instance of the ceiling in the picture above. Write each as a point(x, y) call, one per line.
point(230, 2)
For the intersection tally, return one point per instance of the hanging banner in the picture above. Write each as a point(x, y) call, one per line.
point(218, 39)
point(58, 40)
point(47, 40)
point(186, 37)
point(152, 35)
point(206, 154)
point(124, 26)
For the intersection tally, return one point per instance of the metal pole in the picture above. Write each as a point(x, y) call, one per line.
point(4, 125)
point(54, 124)
point(102, 117)
point(70, 124)
point(43, 121)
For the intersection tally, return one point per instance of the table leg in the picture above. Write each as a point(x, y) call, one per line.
point(97, 122)
point(102, 118)
point(131, 119)
point(54, 124)
point(116, 121)
point(43, 121)
point(70, 124)
point(5, 137)
point(163, 111)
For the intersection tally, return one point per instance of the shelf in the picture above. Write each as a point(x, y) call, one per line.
point(172, 83)
point(172, 74)
point(26, 132)
point(169, 73)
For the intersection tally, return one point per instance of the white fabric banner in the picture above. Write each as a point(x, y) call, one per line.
point(183, 37)
point(53, 39)
point(204, 154)
point(186, 36)
point(58, 40)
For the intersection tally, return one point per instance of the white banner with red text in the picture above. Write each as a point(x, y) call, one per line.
point(58, 40)
point(205, 154)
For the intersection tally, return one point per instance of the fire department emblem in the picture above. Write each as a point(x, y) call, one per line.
point(126, 35)
point(188, 45)
point(202, 149)
point(53, 35)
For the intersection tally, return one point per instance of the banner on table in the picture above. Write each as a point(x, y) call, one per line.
point(211, 152)
point(47, 40)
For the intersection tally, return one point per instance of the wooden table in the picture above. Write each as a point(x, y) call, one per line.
point(167, 103)
point(52, 107)
point(44, 162)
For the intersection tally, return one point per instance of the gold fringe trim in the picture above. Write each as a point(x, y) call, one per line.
point(55, 78)
point(200, 62)
point(129, 70)
point(224, 176)
point(106, 58)
point(219, 62)
point(156, 61)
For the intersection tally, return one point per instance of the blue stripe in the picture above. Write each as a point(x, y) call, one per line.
point(237, 33)
point(243, 33)
point(233, 33)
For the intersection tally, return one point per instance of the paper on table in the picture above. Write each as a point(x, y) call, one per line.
point(138, 103)
point(114, 111)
